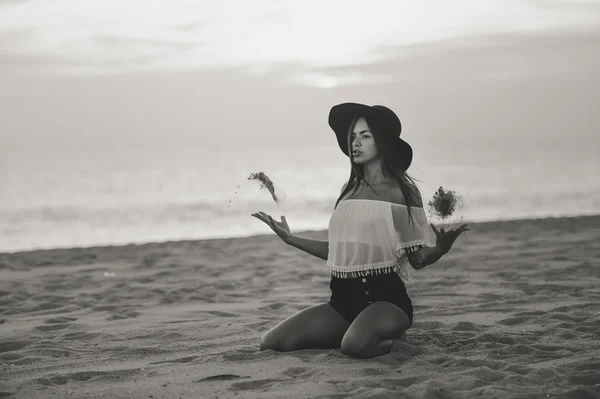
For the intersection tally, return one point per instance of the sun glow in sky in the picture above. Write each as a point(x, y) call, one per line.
point(98, 37)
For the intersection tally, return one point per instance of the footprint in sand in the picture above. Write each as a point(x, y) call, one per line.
point(79, 335)
point(63, 379)
point(255, 384)
point(248, 354)
point(27, 360)
point(566, 335)
point(8, 346)
point(221, 377)
point(467, 326)
point(10, 356)
point(260, 326)
point(556, 348)
point(57, 320)
point(565, 317)
point(530, 313)
point(566, 326)
point(165, 273)
point(585, 365)
point(123, 315)
point(401, 382)
point(225, 286)
point(273, 306)
point(518, 369)
point(186, 359)
point(170, 299)
point(588, 329)
point(295, 372)
point(221, 313)
point(56, 323)
point(371, 371)
point(585, 379)
point(52, 327)
point(512, 321)
point(104, 308)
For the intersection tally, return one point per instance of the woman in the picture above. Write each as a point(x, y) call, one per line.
point(377, 228)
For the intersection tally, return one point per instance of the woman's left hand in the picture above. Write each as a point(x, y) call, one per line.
point(445, 239)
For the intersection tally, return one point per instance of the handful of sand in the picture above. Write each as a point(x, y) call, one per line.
point(265, 182)
point(444, 203)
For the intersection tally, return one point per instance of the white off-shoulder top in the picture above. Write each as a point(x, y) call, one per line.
point(369, 237)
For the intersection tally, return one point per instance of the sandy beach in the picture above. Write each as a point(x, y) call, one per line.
point(513, 311)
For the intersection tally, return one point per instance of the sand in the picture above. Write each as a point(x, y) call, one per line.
point(513, 311)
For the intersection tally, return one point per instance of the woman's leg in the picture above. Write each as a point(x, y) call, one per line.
point(317, 327)
point(372, 332)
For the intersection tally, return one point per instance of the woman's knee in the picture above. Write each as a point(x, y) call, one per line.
point(271, 341)
point(353, 347)
point(361, 348)
point(266, 342)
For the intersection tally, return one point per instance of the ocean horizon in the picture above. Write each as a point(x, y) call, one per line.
point(68, 196)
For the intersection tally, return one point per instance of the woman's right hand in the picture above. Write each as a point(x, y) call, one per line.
point(280, 228)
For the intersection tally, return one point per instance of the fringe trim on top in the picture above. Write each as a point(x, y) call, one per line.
point(369, 270)
point(380, 268)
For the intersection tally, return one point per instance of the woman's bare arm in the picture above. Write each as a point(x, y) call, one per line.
point(444, 241)
point(425, 256)
point(317, 248)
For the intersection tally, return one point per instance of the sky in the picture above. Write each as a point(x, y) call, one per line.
point(265, 73)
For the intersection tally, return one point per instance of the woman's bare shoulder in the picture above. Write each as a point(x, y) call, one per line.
point(396, 196)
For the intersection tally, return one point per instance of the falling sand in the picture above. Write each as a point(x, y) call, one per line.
point(265, 182)
point(444, 203)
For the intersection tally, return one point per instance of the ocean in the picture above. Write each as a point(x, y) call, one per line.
point(64, 196)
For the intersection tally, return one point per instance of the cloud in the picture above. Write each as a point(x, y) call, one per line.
point(581, 5)
point(482, 88)
point(191, 26)
point(127, 35)
point(488, 57)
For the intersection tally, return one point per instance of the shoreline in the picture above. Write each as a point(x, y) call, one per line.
point(267, 235)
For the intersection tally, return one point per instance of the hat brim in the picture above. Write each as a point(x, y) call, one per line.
point(342, 115)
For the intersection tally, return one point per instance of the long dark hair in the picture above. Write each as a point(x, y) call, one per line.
point(391, 166)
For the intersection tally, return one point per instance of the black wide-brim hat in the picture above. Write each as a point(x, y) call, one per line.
point(342, 115)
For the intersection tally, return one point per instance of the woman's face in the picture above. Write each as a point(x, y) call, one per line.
point(363, 148)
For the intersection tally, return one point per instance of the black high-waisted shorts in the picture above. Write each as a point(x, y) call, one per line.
point(350, 296)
